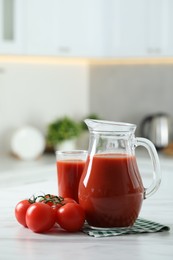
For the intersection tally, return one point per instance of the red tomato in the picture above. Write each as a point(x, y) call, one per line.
point(40, 217)
point(55, 207)
point(71, 217)
point(20, 211)
point(68, 200)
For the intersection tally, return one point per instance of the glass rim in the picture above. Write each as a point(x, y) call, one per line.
point(71, 152)
point(95, 125)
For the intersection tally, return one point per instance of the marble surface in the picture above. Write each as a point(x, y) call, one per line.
point(19, 180)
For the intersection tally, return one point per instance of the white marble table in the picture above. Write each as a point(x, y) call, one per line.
point(20, 243)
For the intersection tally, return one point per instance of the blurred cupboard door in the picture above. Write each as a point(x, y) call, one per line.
point(127, 32)
point(80, 27)
point(137, 27)
point(168, 28)
point(12, 26)
point(40, 27)
point(156, 27)
point(65, 27)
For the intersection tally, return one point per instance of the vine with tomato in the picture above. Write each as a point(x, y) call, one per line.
point(41, 213)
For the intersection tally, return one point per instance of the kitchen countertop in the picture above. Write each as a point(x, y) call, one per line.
point(19, 180)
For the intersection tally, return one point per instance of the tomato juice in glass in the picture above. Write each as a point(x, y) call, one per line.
point(70, 165)
point(111, 190)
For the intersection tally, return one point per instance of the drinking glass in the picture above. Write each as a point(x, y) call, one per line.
point(70, 165)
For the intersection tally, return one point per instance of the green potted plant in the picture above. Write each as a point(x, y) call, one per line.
point(62, 133)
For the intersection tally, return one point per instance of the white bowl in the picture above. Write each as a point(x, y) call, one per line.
point(27, 143)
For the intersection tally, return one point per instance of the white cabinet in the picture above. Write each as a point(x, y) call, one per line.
point(63, 27)
point(138, 27)
point(128, 28)
point(87, 28)
point(156, 24)
point(12, 26)
point(168, 28)
point(40, 27)
point(79, 31)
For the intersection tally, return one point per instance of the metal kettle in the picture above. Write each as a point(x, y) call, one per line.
point(157, 128)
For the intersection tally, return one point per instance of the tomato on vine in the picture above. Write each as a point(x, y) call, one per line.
point(20, 211)
point(40, 213)
point(40, 217)
point(71, 217)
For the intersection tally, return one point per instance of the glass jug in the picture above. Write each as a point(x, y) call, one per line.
point(111, 189)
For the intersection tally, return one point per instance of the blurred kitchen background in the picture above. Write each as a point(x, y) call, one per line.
point(74, 58)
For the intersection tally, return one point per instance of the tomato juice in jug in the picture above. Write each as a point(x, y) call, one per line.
point(112, 193)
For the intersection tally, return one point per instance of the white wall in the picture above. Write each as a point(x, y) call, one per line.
point(36, 94)
point(130, 92)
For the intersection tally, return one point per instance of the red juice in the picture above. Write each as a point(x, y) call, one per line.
point(111, 190)
point(69, 173)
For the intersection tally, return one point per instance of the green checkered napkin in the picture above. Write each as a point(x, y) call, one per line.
point(140, 226)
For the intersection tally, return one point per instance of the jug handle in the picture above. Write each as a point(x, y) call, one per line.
point(155, 164)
